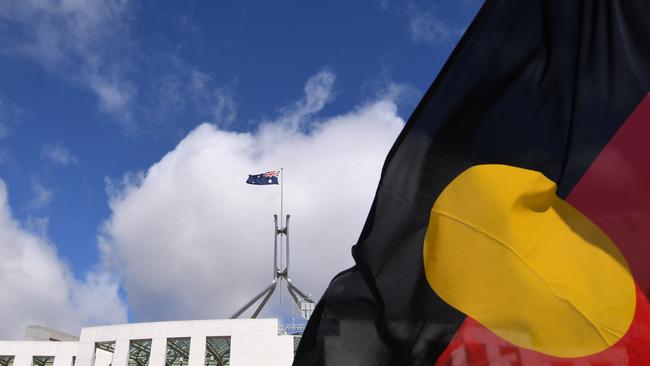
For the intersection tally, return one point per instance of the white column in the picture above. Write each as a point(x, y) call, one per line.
point(23, 360)
point(197, 351)
point(62, 361)
point(121, 354)
point(158, 351)
point(86, 354)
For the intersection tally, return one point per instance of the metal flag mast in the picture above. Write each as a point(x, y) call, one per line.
point(280, 270)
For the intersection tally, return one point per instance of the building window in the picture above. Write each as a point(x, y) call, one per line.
point(178, 352)
point(43, 360)
point(139, 352)
point(104, 353)
point(217, 351)
point(296, 342)
point(6, 360)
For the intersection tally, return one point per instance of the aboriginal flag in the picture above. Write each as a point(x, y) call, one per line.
point(511, 225)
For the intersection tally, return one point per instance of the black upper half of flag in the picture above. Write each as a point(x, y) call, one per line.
point(263, 179)
point(539, 84)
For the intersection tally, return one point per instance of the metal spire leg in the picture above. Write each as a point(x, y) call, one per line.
point(302, 294)
point(259, 308)
point(293, 296)
point(270, 289)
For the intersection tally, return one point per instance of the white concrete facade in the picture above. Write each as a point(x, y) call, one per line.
point(253, 342)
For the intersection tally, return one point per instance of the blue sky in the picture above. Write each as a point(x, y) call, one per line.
point(95, 94)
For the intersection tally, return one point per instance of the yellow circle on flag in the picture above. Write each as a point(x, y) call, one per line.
point(502, 248)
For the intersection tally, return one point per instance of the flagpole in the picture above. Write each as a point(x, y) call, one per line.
point(281, 196)
point(281, 221)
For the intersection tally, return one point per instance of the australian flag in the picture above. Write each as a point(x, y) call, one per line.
point(264, 178)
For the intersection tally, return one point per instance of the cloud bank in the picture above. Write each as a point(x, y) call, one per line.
point(190, 239)
point(37, 287)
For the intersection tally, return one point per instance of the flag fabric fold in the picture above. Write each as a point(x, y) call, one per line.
point(544, 103)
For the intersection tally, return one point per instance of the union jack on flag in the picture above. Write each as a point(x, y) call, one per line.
point(270, 177)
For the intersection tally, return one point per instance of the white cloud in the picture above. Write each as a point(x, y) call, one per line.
point(41, 196)
point(185, 86)
point(5, 155)
point(115, 96)
point(4, 128)
point(383, 4)
point(218, 102)
point(191, 240)
point(425, 26)
point(37, 225)
point(58, 153)
point(36, 287)
point(223, 108)
point(8, 118)
point(318, 91)
point(77, 40)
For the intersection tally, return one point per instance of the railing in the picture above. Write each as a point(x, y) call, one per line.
point(291, 329)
